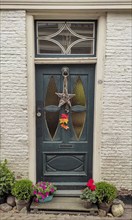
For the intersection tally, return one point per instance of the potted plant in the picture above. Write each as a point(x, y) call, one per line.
point(89, 194)
point(105, 193)
point(43, 191)
point(7, 180)
point(22, 190)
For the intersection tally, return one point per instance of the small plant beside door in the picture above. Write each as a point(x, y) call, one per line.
point(43, 191)
point(88, 195)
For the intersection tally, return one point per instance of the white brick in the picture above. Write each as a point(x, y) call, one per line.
point(14, 127)
point(116, 124)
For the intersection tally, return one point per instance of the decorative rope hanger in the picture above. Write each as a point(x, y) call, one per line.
point(65, 96)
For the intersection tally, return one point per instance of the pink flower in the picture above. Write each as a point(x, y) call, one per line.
point(44, 187)
point(36, 199)
point(52, 190)
point(47, 194)
point(43, 197)
point(34, 192)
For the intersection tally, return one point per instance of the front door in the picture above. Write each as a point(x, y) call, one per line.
point(64, 155)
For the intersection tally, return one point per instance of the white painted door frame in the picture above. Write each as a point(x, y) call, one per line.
point(99, 60)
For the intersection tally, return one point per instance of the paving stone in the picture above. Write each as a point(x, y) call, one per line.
point(110, 215)
point(15, 209)
point(24, 210)
point(4, 218)
point(5, 207)
point(102, 213)
point(43, 216)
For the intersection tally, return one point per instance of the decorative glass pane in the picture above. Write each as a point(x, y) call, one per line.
point(83, 47)
point(84, 29)
point(65, 37)
point(78, 121)
point(48, 28)
point(46, 46)
point(79, 98)
point(52, 118)
point(78, 117)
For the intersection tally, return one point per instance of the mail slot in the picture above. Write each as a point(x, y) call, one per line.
point(65, 146)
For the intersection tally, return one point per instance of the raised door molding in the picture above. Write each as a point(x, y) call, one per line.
point(66, 4)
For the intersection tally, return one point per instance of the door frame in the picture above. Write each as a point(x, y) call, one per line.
point(99, 76)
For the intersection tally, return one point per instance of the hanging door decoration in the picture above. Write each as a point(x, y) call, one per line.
point(65, 99)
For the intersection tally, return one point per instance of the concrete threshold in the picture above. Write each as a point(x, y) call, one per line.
point(74, 206)
point(68, 193)
point(64, 205)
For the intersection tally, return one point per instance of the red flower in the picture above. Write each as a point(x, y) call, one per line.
point(64, 116)
point(90, 182)
point(93, 187)
point(90, 185)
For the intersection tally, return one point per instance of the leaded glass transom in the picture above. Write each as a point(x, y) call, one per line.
point(65, 38)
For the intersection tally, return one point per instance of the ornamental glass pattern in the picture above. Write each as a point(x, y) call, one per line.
point(65, 38)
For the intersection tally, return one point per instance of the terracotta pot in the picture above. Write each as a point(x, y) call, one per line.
point(20, 204)
point(87, 204)
point(104, 206)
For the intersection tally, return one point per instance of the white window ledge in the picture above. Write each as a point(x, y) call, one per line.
point(66, 4)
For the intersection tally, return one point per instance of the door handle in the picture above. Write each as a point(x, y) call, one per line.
point(38, 113)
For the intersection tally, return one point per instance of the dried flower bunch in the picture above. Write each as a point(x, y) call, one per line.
point(64, 121)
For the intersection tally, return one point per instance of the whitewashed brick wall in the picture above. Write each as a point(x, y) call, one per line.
point(116, 120)
point(116, 151)
point(14, 127)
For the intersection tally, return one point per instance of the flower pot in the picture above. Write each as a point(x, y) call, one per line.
point(87, 204)
point(47, 199)
point(104, 206)
point(20, 204)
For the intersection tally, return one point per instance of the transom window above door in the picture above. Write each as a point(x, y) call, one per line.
point(65, 38)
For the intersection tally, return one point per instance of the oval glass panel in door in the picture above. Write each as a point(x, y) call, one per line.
point(51, 109)
point(78, 108)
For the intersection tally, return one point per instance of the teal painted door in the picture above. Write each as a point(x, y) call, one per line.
point(64, 155)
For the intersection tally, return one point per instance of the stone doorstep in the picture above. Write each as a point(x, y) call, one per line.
point(70, 205)
point(74, 206)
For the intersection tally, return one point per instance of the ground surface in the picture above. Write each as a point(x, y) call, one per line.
point(42, 216)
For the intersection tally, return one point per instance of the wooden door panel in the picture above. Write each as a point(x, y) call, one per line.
point(64, 155)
